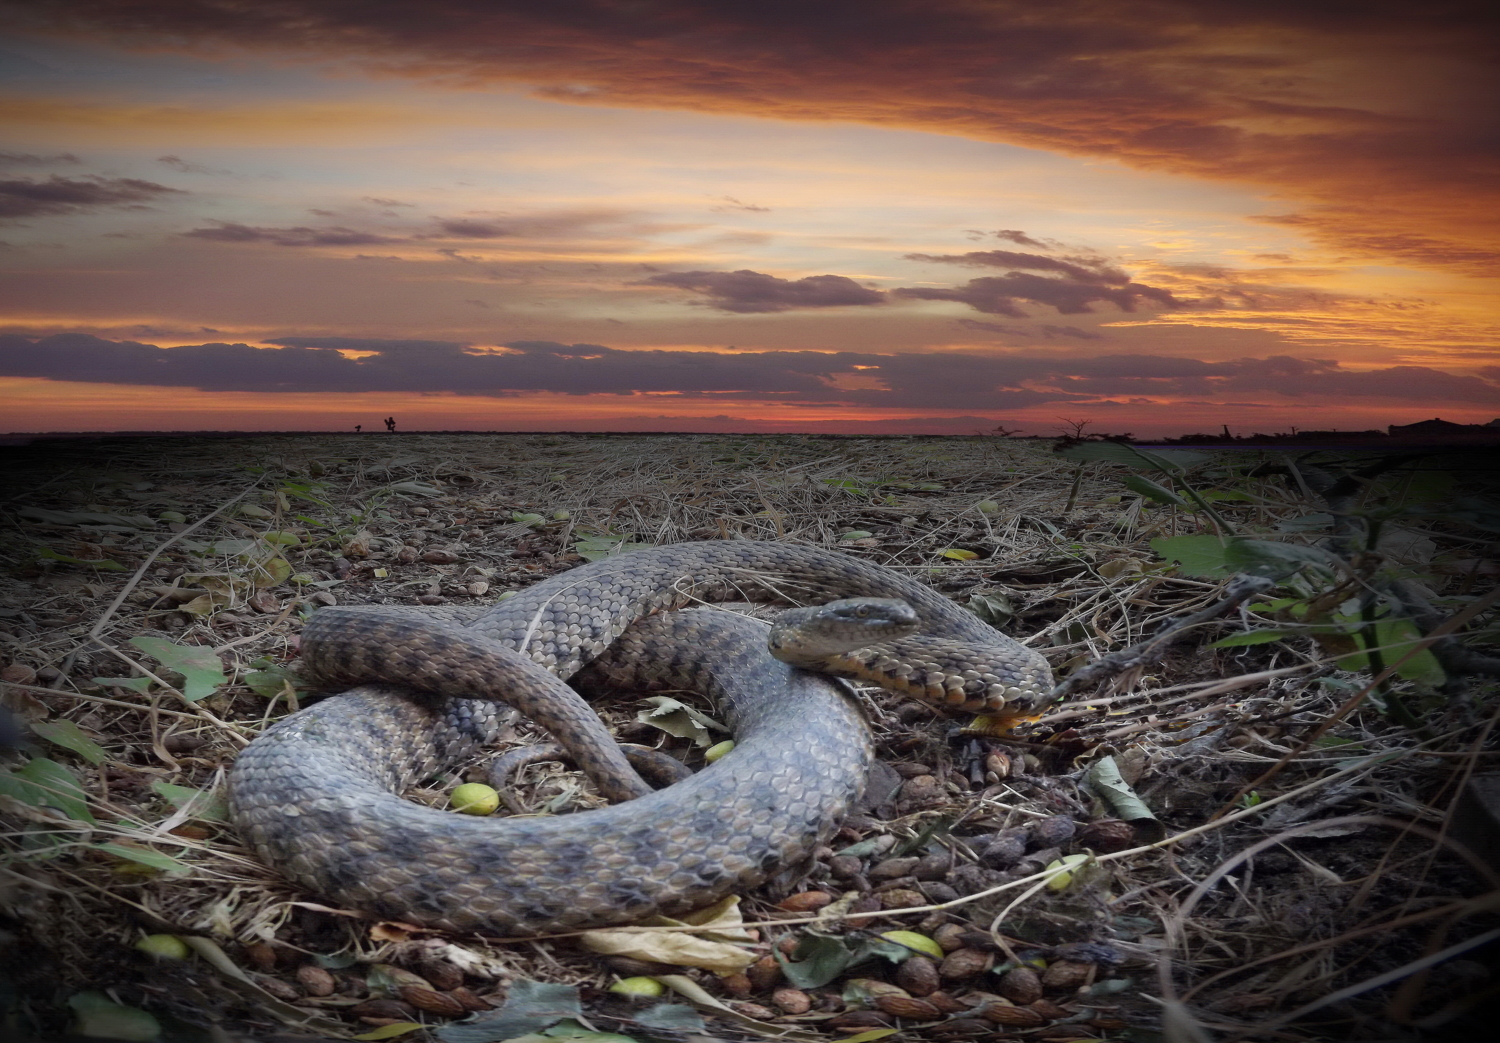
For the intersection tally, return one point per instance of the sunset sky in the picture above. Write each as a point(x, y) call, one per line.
point(883, 216)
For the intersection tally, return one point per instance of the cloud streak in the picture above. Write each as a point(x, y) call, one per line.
point(926, 381)
point(55, 196)
point(1236, 92)
point(230, 232)
point(747, 292)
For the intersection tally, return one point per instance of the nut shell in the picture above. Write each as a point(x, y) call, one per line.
point(918, 975)
point(1020, 985)
point(907, 1007)
point(1018, 1017)
point(1067, 974)
point(965, 963)
point(432, 1002)
point(792, 1001)
point(315, 981)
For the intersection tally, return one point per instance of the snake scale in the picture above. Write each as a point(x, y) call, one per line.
point(317, 795)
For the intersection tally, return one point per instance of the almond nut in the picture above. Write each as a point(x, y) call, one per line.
point(469, 1000)
point(805, 901)
point(1067, 974)
point(315, 981)
point(382, 1008)
point(1020, 985)
point(764, 973)
point(737, 985)
point(792, 1001)
point(432, 1002)
point(965, 963)
point(907, 1007)
point(856, 1020)
point(442, 974)
point(918, 975)
point(1020, 1017)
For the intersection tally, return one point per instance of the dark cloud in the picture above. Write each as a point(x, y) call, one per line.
point(1084, 269)
point(27, 159)
point(1069, 331)
point(1190, 87)
point(1022, 334)
point(1019, 238)
point(230, 232)
point(184, 166)
point(947, 380)
point(29, 197)
point(748, 292)
point(999, 295)
point(378, 201)
point(474, 229)
point(991, 327)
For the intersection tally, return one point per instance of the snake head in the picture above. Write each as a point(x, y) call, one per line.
point(806, 637)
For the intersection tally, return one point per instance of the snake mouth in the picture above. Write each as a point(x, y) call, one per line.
point(811, 636)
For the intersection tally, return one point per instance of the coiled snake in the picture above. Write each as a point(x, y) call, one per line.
point(317, 794)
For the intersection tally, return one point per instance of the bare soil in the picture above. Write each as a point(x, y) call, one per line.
point(1300, 879)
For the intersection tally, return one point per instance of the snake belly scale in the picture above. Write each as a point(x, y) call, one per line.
point(317, 794)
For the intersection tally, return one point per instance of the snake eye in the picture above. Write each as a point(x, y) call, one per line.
point(862, 611)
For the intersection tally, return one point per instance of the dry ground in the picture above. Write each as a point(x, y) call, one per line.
point(1297, 876)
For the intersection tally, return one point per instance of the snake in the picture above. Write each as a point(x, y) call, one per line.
point(318, 794)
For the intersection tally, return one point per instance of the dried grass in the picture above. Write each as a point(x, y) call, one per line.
point(1273, 920)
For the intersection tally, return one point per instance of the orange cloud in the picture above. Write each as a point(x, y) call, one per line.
point(1372, 120)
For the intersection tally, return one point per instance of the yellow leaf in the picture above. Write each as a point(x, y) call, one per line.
point(959, 554)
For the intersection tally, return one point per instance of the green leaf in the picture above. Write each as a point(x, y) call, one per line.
point(845, 484)
point(994, 608)
point(1167, 461)
point(200, 667)
point(69, 736)
point(594, 546)
point(675, 1017)
point(1217, 557)
point(1251, 637)
point(391, 1031)
point(270, 682)
point(415, 489)
point(104, 564)
point(204, 805)
point(1398, 634)
point(1305, 523)
point(145, 856)
point(1149, 489)
point(285, 539)
point(44, 783)
point(250, 510)
point(530, 1006)
point(99, 1017)
point(129, 521)
point(1196, 555)
point(270, 573)
point(820, 958)
point(958, 554)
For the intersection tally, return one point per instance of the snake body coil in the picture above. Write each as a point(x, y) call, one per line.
point(316, 795)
